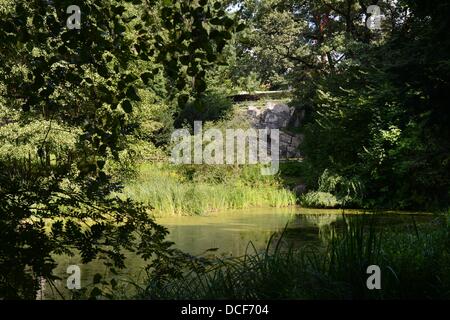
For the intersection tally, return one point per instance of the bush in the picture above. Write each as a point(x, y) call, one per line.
point(318, 199)
point(213, 106)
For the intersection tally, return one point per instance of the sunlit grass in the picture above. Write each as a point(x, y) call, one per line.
point(168, 192)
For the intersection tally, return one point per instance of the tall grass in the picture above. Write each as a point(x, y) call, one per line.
point(169, 192)
point(414, 264)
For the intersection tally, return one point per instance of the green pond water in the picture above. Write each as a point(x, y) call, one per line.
point(228, 234)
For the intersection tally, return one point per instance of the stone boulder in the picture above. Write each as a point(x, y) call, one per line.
point(277, 116)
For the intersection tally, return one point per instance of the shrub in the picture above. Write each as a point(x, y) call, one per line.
point(213, 106)
point(318, 199)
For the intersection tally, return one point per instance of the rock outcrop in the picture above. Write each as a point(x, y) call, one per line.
point(278, 116)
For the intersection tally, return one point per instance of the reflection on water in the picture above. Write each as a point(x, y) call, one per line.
point(230, 233)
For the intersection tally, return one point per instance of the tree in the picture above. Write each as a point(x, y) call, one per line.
point(373, 99)
point(55, 196)
point(380, 118)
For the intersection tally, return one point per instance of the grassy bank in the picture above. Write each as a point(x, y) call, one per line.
point(414, 263)
point(169, 190)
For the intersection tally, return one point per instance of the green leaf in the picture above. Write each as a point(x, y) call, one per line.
point(241, 27)
point(97, 278)
point(132, 94)
point(181, 83)
point(146, 77)
point(127, 106)
point(100, 164)
point(113, 283)
point(183, 99)
point(200, 85)
point(95, 293)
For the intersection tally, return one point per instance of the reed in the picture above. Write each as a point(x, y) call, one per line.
point(415, 264)
point(169, 192)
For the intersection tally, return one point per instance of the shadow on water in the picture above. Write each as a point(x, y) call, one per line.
point(230, 233)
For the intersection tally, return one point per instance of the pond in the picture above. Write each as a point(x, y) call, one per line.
point(228, 234)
